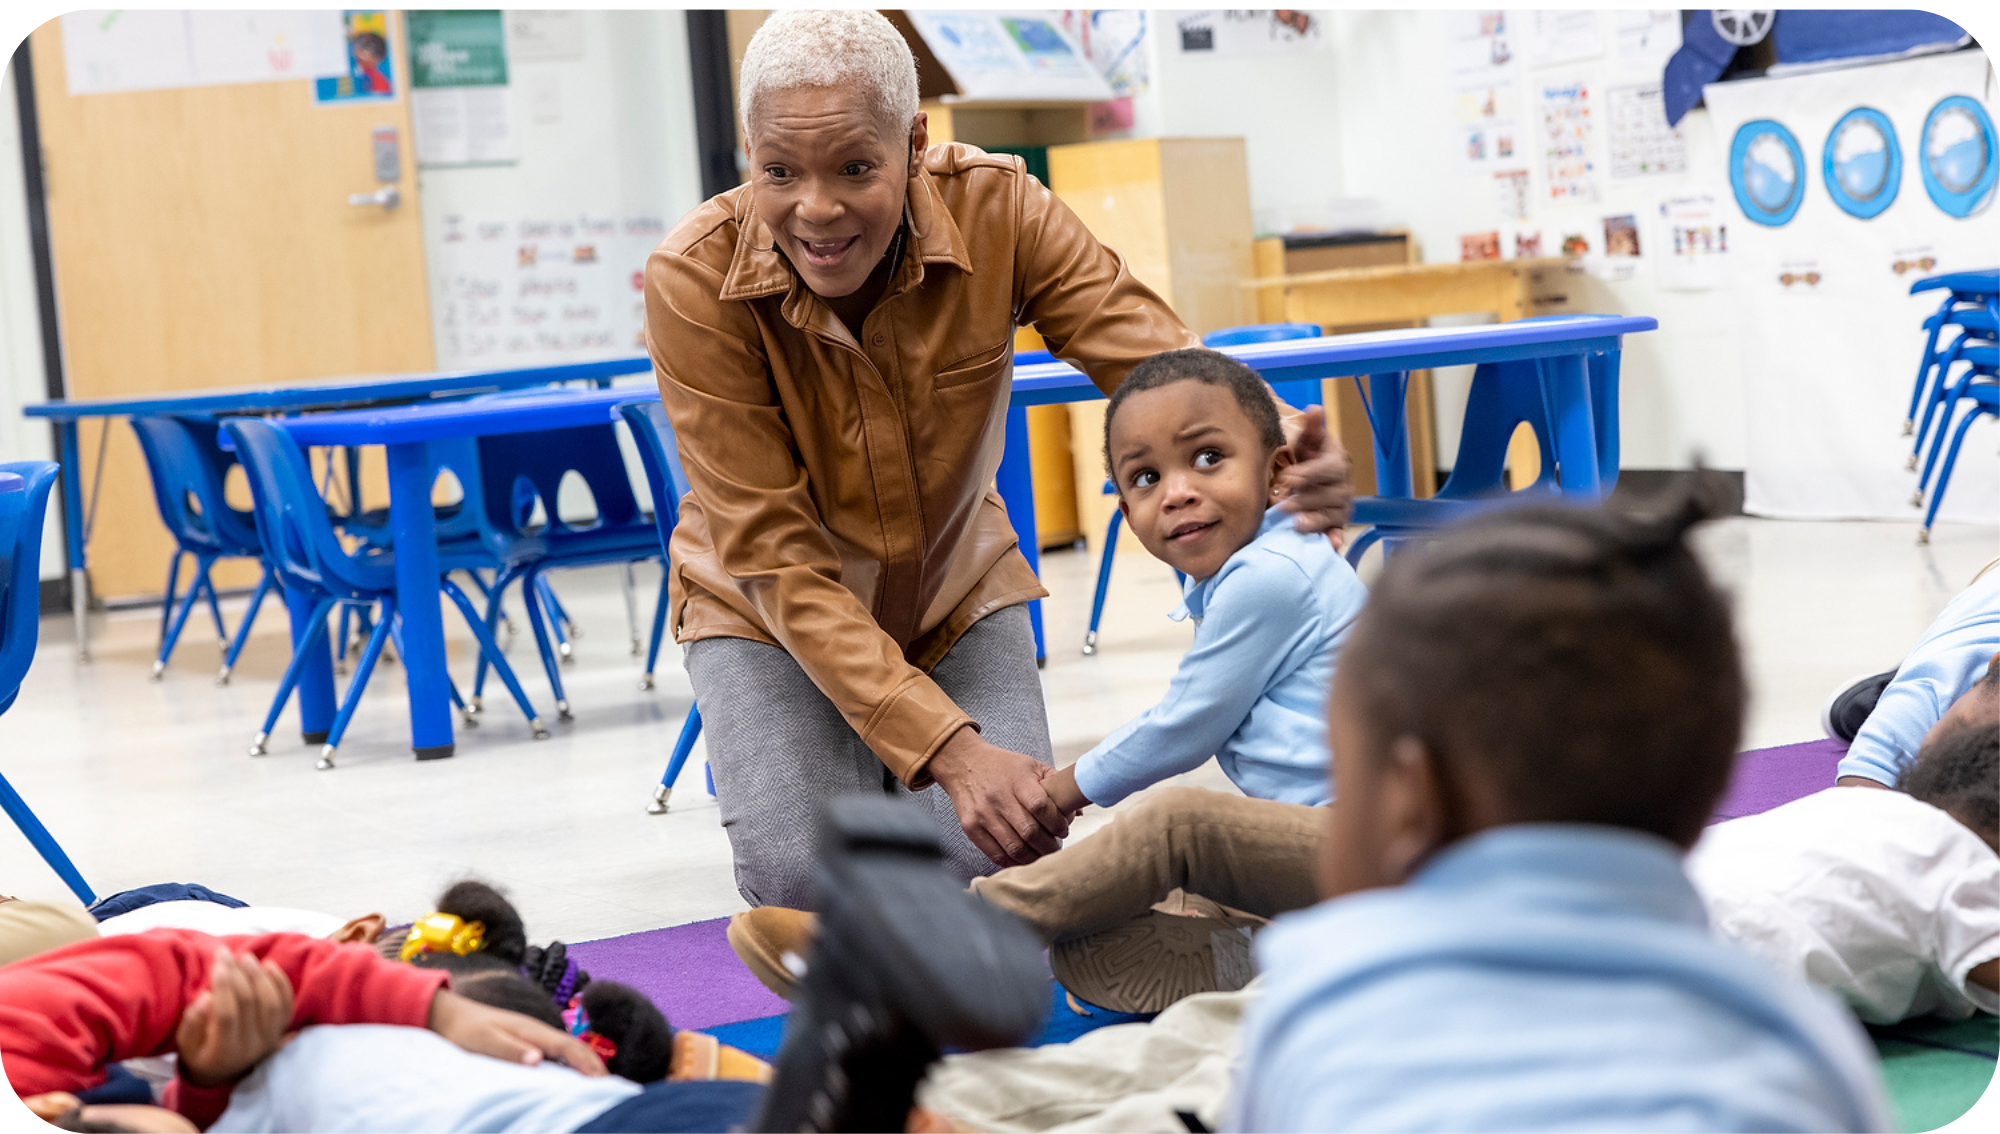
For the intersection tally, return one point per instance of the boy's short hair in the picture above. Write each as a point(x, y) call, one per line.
point(1578, 659)
point(1212, 368)
point(1958, 771)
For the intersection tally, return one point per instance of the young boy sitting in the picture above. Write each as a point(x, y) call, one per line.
point(1193, 444)
point(1535, 717)
point(1891, 899)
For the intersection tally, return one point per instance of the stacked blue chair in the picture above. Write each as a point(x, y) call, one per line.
point(188, 467)
point(24, 500)
point(519, 470)
point(1297, 394)
point(1970, 313)
point(1979, 392)
point(667, 481)
point(300, 543)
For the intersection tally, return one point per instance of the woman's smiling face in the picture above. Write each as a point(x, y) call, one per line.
point(830, 182)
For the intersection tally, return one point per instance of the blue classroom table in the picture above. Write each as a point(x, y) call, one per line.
point(1585, 440)
point(298, 397)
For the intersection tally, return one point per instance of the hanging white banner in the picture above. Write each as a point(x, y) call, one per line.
point(1832, 336)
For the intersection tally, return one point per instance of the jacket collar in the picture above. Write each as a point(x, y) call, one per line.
point(759, 269)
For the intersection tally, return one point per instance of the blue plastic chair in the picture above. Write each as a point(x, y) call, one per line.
point(1976, 327)
point(300, 543)
point(519, 470)
point(187, 468)
point(21, 518)
point(1294, 393)
point(1978, 390)
point(660, 455)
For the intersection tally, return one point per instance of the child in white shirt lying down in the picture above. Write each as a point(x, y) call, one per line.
point(1891, 899)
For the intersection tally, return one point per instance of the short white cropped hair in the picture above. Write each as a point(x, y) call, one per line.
point(842, 47)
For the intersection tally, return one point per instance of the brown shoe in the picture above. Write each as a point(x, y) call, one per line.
point(772, 942)
point(1154, 960)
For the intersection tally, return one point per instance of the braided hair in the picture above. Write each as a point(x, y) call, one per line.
point(1576, 659)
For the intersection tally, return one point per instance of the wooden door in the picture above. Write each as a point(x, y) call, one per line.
point(202, 236)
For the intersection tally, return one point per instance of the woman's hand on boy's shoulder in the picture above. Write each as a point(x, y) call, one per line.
point(1316, 486)
point(485, 1030)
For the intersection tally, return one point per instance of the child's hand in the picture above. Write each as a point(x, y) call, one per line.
point(486, 1030)
point(240, 1019)
point(1064, 793)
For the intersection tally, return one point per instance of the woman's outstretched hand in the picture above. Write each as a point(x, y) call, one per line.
point(1000, 799)
point(1316, 486)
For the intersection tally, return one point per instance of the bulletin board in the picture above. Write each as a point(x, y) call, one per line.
point(1832, 334)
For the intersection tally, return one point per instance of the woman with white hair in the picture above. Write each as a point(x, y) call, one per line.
point(833, 343)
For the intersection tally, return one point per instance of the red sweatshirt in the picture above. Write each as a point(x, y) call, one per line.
point(66, 1013)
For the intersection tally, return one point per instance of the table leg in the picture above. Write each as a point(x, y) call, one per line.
point(1392, 436)
point(1016, 482)
point(71, 455)
point(1604, 410)
point(1575, 427)
point(413, 527)
point(315, 688)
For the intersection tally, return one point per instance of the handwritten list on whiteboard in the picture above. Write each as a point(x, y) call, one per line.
point(542, 289)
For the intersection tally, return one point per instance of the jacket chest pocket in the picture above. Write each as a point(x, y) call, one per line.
point(974, 369)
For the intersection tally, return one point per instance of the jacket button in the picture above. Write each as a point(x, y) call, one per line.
point(880, 338)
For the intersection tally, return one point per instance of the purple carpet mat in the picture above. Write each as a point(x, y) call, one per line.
point(689, 971)
point(1767, 777)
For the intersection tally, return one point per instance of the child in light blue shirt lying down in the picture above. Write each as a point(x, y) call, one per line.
point(1535, 717)
point(1953, 655)
point(1193, 444)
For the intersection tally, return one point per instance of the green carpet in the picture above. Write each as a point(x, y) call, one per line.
point(1936, 1069)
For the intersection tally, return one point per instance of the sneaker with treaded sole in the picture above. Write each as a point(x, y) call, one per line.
point(1154, 960)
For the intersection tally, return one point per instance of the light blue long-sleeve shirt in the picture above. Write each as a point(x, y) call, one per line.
point(1252, 690)
point(1950, 657)
point(1540, 977)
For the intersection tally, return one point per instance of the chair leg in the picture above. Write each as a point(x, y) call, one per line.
point(1359, 546)
point(631, 589)
point(1924, 366)
point(362, 670)
point(495, 612)
point(167, 602)
point(1936, 399)
point(1948, 408)
point(1103, 582)
point(214, 608)
point(558, 618)
point(264, 584)
point(659, 634)
point(488, 646)
point(291, 679)
point(341, 639)
point(1944, 474)
point(531, 583)
point(690, 732)
point(180, 618)
point(44, 843)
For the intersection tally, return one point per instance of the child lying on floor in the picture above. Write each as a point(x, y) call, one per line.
point(1193, 444)
point(1537, 714)
point(223, 1004)
point(1889, 898)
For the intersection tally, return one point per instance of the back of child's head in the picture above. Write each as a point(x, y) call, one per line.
point(1211, 368)
point(506, 936)
point(1958, 771)
point(1576, 662)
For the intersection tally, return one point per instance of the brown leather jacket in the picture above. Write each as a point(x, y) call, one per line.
point(842, 502)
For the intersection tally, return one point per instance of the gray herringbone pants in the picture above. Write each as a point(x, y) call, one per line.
point(778, 746)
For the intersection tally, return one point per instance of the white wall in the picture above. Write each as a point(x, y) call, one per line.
point(1372, 117)
point(622, 140)
point(21, 376)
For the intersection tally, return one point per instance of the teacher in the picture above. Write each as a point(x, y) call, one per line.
point(833, 342)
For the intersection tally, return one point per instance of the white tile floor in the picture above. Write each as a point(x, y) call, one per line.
point(151, 782)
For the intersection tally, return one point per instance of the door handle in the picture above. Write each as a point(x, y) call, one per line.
point(387, 196)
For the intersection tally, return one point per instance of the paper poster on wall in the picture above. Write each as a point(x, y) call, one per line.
point(107, 51)
point(1510, 194)
point(366, 72)
point(1486, 92)
point(542, 289)
point(1479, 246)
point(1641, 141)
point(1694, 243)
point(461, 106)
point(1645, 39)
point(1528, 244)
point(1563, 36)
point(1010, 55)
point(1114, 40)
point(1569, 169)
point(539, 34)
point(1249, 32)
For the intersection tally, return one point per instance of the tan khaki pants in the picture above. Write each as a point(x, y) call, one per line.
point(1252, 855)
point(28, 928)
